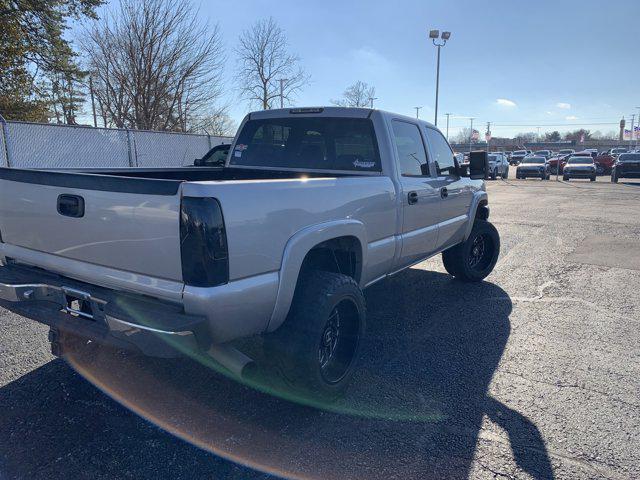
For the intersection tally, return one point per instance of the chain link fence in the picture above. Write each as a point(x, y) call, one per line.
point(38, 145)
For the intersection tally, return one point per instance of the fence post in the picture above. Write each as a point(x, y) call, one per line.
point(209, 140)
point(129, 152)
point(5, 141)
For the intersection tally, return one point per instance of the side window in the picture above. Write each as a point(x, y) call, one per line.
point(410, 148)
point(442, 154)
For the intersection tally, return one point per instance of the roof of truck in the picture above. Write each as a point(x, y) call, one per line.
point(330, 111)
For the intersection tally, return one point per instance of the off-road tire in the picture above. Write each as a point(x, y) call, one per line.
point(457, 259)
point(294, 349)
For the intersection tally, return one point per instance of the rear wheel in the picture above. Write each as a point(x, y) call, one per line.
point(593, 179)
point(474, 259)
point(315, 350)
point(565, 178)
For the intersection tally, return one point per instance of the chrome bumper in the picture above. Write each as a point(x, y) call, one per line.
point(131, 321)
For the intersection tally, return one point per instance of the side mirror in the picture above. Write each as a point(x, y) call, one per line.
point(478, 165)
point(198, 162)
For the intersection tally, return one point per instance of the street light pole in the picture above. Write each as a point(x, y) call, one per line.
point(434, 35)
point(633, 118)
point(371, 99)
point(417, 111)
point(633, 133)
point(470, 134)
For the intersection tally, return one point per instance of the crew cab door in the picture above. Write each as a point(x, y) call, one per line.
point(420, 197)
point(454, 191)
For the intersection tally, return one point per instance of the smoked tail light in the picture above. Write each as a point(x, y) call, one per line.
point(203, 242)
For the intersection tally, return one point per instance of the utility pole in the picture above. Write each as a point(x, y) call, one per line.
point(636, 136)
point(417, 111)
point(93, 103)
point(488, 135)
point(470, 134)
point(282, 80)
point(371, 99)
point(448, 115)
point(538, 134)
point(633, 117)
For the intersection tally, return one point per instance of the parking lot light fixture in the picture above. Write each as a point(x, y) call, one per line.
point(434, 35)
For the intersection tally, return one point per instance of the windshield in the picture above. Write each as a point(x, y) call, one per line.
point(580, 160)
point(618, 150)
point(565, 152)
point(629, 157)
point(493, 158)
point(321, 143)
point(534, 160)
point(542, 152)
point(520, 152)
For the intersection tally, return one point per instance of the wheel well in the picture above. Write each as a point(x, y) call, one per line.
point(338, 255)
point(482, 212)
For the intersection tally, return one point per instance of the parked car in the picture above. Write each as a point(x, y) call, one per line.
point(533, 166)
point(627, 166)
point(215, 157)
point(566, 151)
point(543, 153)
point(557, 161)
point(604, 163)
point(591, 151)
point(517, 156)
point(498, 165)
point(579, 167)
point(617, 150)
point(312, 206)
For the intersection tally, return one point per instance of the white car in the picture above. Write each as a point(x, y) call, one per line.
point(498, 165)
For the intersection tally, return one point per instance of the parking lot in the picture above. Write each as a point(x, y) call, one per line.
point(534, 373)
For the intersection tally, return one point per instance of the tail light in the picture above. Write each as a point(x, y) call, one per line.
point(203, 243)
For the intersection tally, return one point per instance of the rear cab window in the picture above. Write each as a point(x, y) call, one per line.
point(319, 143)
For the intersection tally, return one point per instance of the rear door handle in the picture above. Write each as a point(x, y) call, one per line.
point(71, 206)
point(444, 193)
point(412, 198)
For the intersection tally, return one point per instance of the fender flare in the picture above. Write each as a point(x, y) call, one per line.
point(296, 250)
point(478, 198)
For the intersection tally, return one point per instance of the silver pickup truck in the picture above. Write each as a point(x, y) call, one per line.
point(312, 206)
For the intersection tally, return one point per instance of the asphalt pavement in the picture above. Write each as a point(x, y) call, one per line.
point(534, 373)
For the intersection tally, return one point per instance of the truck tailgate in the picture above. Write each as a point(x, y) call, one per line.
point(129, 224)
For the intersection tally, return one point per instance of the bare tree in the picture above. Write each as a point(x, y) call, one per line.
point(154, 64)
point(218, 123)
point(266, 69)
point(357, 95)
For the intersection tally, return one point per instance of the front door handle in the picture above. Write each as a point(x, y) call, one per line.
point(444, 193)
point(412, 198)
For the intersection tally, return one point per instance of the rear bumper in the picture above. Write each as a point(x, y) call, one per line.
point(152, 327)
point(529, 173)
point(585, 174)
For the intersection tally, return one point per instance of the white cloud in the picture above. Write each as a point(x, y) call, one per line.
point(503, 102)
point(571, 117)
point(563, 106)
point(549, 112)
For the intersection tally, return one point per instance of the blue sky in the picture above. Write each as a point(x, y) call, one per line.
point(552, 62)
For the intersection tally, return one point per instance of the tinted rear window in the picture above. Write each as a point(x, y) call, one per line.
point(321, 143)
point(629, 157)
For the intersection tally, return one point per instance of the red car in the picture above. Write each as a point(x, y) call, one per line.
point(558, 159)
point(604, 163)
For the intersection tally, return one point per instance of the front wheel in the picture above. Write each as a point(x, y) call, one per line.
point(474, 259)
point(593, 179)
point(315, 350)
